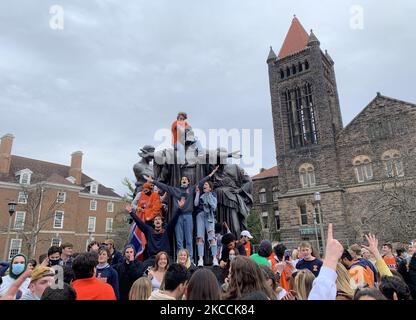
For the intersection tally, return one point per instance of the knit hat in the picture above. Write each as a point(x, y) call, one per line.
point(265, 249)
point(40, 272)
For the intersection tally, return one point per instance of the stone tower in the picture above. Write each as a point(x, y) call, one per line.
point(306, 120)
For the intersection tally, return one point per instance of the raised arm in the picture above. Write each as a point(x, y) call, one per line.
point(381, 265)
point(140, 224)
point(197, 194)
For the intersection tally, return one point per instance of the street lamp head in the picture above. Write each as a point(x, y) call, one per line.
point(317, 196)
point(12, 207)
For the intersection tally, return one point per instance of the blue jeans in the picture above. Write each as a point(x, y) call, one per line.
point(184, 228)
point(205, 222)
point(180, 153)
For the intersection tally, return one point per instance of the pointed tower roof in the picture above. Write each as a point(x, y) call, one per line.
point(296, 39)
point(272, 55)
point(313, 40)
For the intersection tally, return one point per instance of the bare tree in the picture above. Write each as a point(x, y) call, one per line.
point(39, 210)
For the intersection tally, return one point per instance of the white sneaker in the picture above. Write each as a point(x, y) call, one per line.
point(215, 262)
point(200, 262)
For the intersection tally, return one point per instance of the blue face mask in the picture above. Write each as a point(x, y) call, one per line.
point(18, 268)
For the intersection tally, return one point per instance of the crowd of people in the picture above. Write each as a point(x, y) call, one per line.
point(359, 272)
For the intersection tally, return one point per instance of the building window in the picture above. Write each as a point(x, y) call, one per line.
point(93, 205)
point(300, 111)
point(277, 218)
point(19, 220)
point(307, 175)
point(15, 247)
point(306, 65)
point(91, 224)
point(94, 188)
point(303, 215)
point(58, 222)
point(393, 163)
point(110, 206)
point(294, 69)
point(61, 197)
point(363, 168)
point(265, 219)
point(22, 199)
point(300, 67)
point(282, 74)
point(56, 242)
point(288, 72)
point(109, 225)
point(262, 195)
point(275, 194)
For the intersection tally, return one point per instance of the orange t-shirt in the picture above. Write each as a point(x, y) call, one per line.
point(93, 289)
point(391, 262)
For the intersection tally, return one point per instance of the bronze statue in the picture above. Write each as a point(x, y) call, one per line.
point(143, 167)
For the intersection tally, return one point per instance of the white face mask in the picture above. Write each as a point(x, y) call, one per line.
point(232, 257)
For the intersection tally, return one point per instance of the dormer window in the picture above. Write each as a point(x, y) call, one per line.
point(94, 187)
point(24, 176)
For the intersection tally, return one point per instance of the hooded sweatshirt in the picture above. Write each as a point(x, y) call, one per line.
point(11, 277)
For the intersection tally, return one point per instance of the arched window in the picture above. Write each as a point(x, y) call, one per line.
point(363, 168)
point(301, 116)
point(288, 72)
point(293, 69)
point(393, 163)
point(300, 67)
point(275, 191)
point(282, 74)
point(262, 195)
point(306, 65)
point(307, 175)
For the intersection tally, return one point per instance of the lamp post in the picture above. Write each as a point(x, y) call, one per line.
point(12, 209)
point(316, 230)
point(317, 196)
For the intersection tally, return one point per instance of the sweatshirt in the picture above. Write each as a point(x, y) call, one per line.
point(108, 275)
point(178, 192)
point(93, 289)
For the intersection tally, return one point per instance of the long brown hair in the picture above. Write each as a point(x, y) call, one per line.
point(246, 277)
point(344, 281)
point(156, 265)
point(303, 283)
point(141, 289)
point(203, 285)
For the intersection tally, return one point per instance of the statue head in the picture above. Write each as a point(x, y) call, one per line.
point(147, 152)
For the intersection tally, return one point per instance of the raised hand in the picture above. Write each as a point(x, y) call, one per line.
point(197, 189)
point(129, 208)
point(373, 245)
point(213, 171)
point(333, 251)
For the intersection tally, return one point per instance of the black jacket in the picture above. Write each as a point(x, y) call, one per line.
point(127, 274)
point(407, 268)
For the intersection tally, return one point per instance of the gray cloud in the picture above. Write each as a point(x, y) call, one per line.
point(121, 70)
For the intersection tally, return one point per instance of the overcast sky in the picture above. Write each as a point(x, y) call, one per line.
point(120, 70)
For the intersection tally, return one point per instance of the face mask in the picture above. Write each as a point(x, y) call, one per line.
point(232, 256)
point(18, 268)
point(54, 262)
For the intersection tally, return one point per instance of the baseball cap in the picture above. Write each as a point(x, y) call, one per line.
point(246, 233)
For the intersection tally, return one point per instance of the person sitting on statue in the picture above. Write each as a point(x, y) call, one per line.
point(205, 220)
point(147, 204)
point(178, 136)
point(184, 227)
point(158, 237)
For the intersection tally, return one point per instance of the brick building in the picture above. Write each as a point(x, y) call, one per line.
point(265, 202)
point(55, 203)
point(349, 165)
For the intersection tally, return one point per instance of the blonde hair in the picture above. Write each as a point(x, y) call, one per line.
point(188, 260)
point(343, 281)
point(295, 254)
point(141, 289)
point(303, 283)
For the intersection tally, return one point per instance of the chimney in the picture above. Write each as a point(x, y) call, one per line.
point(5, 153)
point(76, 166)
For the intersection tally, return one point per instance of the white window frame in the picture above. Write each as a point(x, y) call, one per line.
point(55, 220)
point(111, 204)
point(275, 194)
point(22, 198)
point(262, 195)
point(94, 188)
point(11, 247)
point(59, 242)
point(109, 223)
point(90, 219)
point(22, 226)
point(307, 175)
point(265, 216)
point(93, 208)
point(58, 199)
